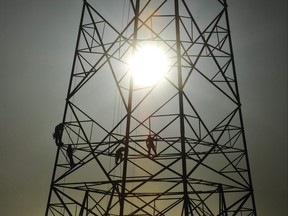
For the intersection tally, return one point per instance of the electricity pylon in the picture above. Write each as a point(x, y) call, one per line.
point(193, 113)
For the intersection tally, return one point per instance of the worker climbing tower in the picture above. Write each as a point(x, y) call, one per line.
point(195, 160)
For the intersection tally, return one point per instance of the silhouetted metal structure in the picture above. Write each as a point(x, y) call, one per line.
point(194, 114)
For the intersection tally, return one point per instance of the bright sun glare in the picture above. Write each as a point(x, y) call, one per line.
point(148, 66)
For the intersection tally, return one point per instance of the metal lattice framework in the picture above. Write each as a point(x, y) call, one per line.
point(201, 166)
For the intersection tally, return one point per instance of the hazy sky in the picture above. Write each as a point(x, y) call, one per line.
point(37, 45)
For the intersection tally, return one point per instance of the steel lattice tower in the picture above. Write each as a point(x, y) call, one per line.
point(194, 113)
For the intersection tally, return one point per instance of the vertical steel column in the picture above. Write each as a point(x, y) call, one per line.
point(129, 109)
point(181, 109)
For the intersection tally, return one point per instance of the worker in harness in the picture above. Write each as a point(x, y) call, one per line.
point(120, 151)
point(57, 135)
point(150, 145)
point(119, 155)
point(69, 153)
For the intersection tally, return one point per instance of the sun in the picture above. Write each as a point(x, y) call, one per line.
point(148, 66)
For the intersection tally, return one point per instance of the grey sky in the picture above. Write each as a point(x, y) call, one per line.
point(37, 46)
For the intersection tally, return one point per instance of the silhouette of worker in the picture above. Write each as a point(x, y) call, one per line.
point(69, 153)
point(57, 135)
point(150, 145)
point(119, 155)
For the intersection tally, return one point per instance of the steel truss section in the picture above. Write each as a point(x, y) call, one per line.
point(194, 112)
